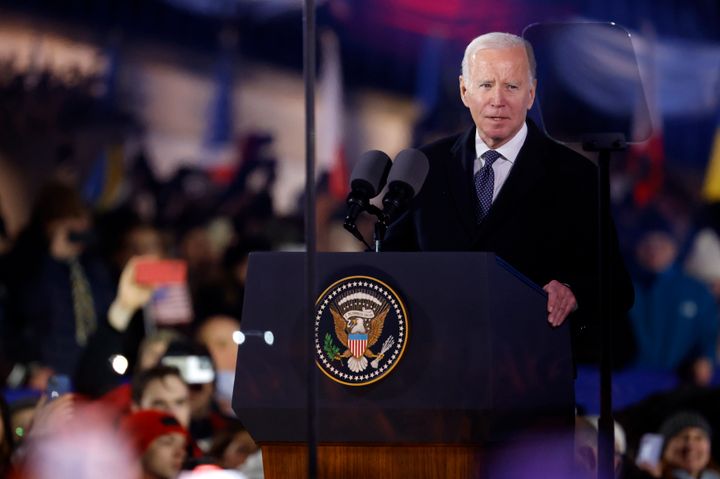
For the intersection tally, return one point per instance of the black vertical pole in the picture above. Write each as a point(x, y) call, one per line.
point(309, 44)
point(606, 424)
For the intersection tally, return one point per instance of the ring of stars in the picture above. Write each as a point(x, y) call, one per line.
point(394, 327)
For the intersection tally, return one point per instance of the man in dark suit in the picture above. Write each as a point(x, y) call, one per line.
point(502, 186)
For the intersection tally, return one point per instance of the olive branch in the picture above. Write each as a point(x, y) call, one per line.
point(331, 349)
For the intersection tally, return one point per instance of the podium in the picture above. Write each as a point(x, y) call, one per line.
point(481, 367)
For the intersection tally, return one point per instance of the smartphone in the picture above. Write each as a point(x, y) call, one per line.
point(57, 385)
point(156, 272)
point(650, 449)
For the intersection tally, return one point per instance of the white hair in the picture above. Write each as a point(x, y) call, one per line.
point(497, 40)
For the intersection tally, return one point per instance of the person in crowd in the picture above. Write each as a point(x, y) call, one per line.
point(71, 438)
point(94, 374)
point(159, 440)
point(226, 297)
point(586, 445)
point(122, 235)
point(703, 261)
point(216, 333)
point(195, 246)
point(502, 186)
point(686, 449)
point(152, 348)
point(198, 371)
point(139, 239)
point(675, 317)
point(234, 448)
point(59, 291)
point(162, 388)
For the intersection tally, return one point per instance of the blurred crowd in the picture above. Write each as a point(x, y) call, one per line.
point(104, 374)
point(87, 344)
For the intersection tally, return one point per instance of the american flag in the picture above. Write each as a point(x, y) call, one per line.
point(170, 305)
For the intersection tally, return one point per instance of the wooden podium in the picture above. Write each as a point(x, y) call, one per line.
point(481, 367)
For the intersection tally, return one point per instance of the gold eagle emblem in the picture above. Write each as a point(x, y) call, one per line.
point(362, 315)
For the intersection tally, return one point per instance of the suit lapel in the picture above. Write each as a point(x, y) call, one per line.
point(526, 173)
point(459, 178)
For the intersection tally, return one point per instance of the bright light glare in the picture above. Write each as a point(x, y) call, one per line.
point(119, 363)
point(238, 337)
point(269, 337)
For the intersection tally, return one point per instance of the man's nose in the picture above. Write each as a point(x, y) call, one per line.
point(497, 97)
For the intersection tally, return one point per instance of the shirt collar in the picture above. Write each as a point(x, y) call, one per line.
point(509, 150)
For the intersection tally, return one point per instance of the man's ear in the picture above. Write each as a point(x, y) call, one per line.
point(463, 90)
point(533, 89)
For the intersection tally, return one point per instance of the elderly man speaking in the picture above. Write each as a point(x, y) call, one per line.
point(503, 186)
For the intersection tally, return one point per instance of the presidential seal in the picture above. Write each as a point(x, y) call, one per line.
point(361, 330)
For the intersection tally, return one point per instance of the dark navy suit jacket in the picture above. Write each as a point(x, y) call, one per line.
point(543, 222)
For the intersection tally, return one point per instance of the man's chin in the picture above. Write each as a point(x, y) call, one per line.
point(495, 138)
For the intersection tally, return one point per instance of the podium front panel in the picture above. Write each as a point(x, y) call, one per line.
point(480, 358)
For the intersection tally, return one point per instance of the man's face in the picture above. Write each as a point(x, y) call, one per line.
point(169, 394)
point(165, 455)
point(217, 335)
point(689, 450)
point(63, 234)
point(656, 251)
point(498, 92)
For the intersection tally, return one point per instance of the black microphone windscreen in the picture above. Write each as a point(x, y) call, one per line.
point(372, 170)
point(411, 167)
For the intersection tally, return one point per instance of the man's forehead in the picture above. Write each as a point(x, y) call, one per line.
point(167, 383)
point(509, 57)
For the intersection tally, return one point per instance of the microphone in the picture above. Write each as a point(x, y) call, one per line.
point(366, 182)
point(406, 178)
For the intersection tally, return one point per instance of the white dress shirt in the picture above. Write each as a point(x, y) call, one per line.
point(503, 165)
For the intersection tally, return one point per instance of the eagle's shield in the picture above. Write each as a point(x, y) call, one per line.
point(357, 343)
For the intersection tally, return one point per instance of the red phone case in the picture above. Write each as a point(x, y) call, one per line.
point(157, 272)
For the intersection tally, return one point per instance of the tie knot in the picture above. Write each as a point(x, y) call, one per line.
point(490, 156)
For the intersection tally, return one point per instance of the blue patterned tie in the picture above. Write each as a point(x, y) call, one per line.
point(484, 183)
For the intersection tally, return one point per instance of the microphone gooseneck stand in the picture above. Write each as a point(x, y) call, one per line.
point(381, 225)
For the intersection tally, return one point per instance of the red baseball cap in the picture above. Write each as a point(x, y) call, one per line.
point(143, 427)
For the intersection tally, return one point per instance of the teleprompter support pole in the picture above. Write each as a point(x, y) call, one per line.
point(605, 144)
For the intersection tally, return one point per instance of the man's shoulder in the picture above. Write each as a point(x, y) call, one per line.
point(446, 145)
point(558, 156)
